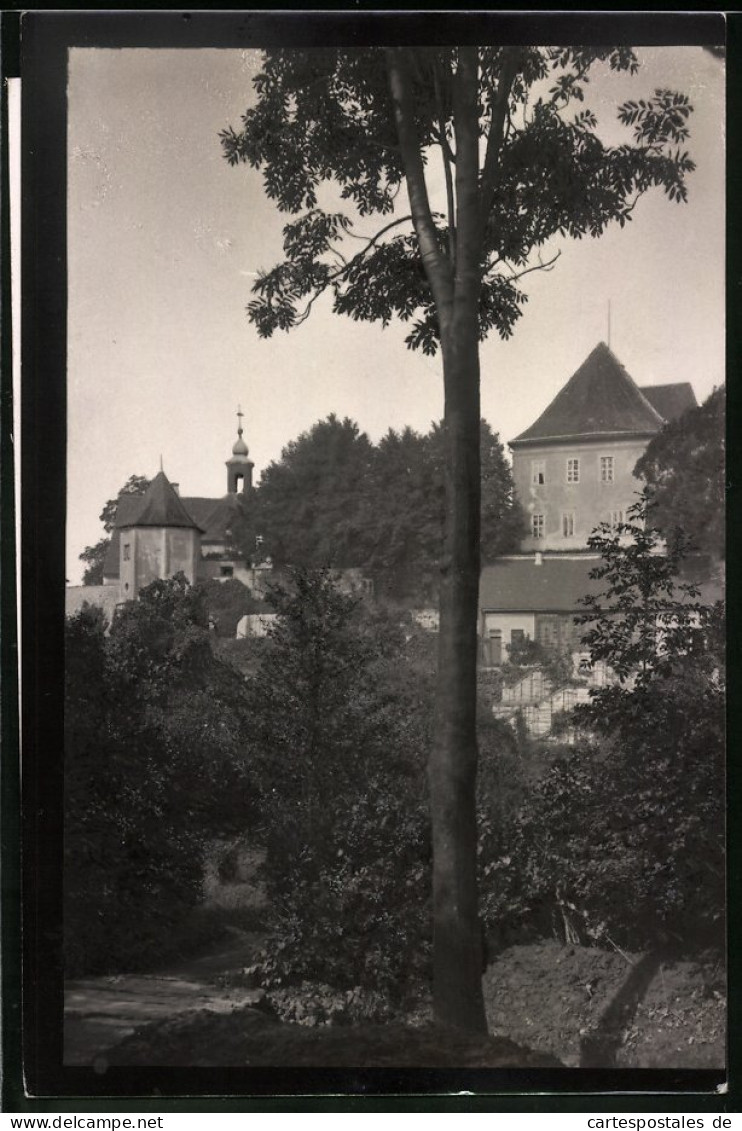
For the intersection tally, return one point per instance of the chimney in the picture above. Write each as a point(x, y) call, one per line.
point(538, 558)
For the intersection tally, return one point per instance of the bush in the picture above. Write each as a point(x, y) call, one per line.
point(621, 840)
point(339, 714)
point(556, 665)
point(227, 602)
point(153, 764)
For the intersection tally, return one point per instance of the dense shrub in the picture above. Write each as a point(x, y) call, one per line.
point(227, 602)
point(623, 837)
point(339, 711)
point(153, 766)
point(556, 665)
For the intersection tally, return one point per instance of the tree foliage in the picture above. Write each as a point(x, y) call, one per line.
point(153, 767)
point(684, 472)
point(339, 724)
point(623, 838)
point(95, 556)
point(645, 615)
point(311, 506)
point(336, 498)
point(329, 115)
point(226, 603)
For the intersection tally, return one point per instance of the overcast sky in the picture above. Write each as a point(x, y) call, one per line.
point(165, 238)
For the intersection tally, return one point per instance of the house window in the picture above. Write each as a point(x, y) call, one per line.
point(538, 472)
point(226, 571)
point(537, 525)
point(547, 631)
point(127, 552)
point(606, 469)
point(493, 647)
point(568, 524)
point(573, 471)
point(616, 519)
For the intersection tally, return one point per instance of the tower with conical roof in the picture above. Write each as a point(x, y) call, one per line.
point(239, 465)
point(157, 540)
point(573, 468)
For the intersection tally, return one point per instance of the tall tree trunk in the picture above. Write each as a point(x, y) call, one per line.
point(457, 949)
point(452, 770)
point(457, 961)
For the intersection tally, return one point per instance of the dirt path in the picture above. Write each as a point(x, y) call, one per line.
point(101, 1012)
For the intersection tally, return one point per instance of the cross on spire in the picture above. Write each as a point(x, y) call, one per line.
point(240, 414)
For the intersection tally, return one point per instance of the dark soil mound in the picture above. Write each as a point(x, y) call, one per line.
point(596, 1008)
point(249, 1037)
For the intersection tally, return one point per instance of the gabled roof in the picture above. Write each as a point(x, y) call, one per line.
point(671, 401)
point(214, 516)
point(519, 585)
point(600, 399)
point(159, 506)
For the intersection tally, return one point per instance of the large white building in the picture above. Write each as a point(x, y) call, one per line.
point(573, 469)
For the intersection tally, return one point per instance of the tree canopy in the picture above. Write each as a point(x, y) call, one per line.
point(334, 498)
point(95, 556)
point(368, 120)
point(684, 471)
point(311, 507)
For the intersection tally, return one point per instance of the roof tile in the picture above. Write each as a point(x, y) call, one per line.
point(519, 585)
point(671, 401)
point(159, 506)
point(600, 399)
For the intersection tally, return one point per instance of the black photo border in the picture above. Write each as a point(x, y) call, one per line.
point(45, 38)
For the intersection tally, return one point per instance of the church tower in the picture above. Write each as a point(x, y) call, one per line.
point(239, 467)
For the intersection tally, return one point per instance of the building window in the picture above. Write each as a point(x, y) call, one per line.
point(493, 647)
point(616, 519)
point(226, 571)
point(568, 524)
point(127, 552)
point(606, 469)
point(538, 472)
point(537, 525)
point(573, 471)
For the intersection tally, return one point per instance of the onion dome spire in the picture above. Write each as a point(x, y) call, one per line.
point(239, 464)
point(239, 447)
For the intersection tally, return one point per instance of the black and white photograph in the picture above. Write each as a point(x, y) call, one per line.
point(394, 530)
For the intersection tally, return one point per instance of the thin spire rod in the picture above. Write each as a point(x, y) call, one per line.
point(609, 323)
point(240, 414)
